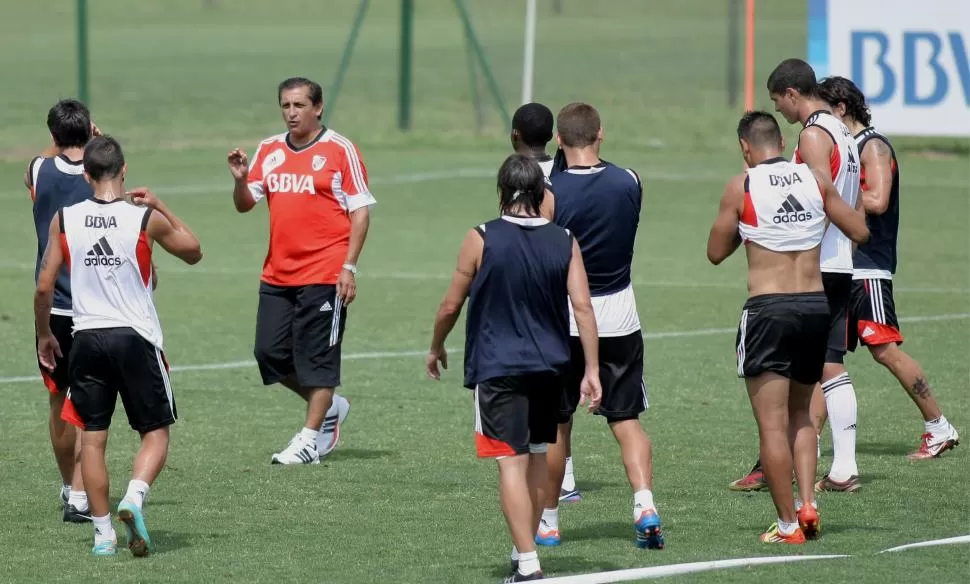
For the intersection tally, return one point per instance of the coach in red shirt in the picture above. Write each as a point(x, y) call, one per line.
point(315, 184)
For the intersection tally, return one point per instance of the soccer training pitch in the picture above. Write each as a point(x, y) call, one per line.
point(403, 498)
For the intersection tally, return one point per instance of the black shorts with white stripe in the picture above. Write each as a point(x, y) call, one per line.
point(299, 332)
point(106, 363)
point(621, 375)
point(873, 314)
point(784, 334)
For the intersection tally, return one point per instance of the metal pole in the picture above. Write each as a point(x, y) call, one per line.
point(528, 62)
point(404, 87)
point(749, 57)
point(82, 52)
point(483, 62)
point(734, 21)
point(472, 67)
point(334, 89)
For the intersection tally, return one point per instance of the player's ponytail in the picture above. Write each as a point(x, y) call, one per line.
point(521, 183)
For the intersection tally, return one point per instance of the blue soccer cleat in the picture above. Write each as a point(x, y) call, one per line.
point(647, 527)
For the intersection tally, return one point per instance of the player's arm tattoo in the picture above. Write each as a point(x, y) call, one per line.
point(921, 388)
point(464, 272)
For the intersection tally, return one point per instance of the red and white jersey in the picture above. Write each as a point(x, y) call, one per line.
point(311, 192)
point(109, 256)
point(783, 207)
point(845, 168)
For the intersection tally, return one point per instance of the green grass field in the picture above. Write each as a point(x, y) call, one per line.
point(403, 497)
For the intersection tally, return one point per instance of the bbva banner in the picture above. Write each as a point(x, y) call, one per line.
point(910, 58)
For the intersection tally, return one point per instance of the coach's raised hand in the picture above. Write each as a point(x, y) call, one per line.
point(238, 164)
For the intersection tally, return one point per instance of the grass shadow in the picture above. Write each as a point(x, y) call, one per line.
point(604, 530)
point(163, 542)
point(359, 454)
point(561, 566)
point(585, 486)
point(885, 448)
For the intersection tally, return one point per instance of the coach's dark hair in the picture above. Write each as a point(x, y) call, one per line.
point(836, 90)
point(759, 128)
point(793, 74)
point(69, 122)
point(578, 125)
point(521, 182)
point(533, 122)
point(316, 92)
point(103, 158)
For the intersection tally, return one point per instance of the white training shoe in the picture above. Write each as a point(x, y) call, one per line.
point(298, 451)
point(330, 430)
point(933, 445)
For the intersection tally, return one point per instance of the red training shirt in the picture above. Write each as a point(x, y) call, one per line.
point(310, 191)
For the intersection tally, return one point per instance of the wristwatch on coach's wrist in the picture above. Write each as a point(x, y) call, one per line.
point(352, 268)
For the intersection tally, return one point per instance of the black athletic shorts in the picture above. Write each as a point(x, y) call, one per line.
point(621, 375)
point(299, 330)
point(63, 329)
point(515, 413)
point(838, 288)
point(784, 334)
point(873, 314)
point(108, 362)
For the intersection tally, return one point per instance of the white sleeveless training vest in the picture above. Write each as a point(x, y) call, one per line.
point(110, 260)
point(836, 246)
point(783, 207)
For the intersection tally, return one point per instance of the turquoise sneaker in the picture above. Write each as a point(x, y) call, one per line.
point(105, 548)
point(135, 531)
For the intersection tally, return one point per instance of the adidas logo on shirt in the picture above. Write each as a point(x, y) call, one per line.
point(101, 254)
point(791, 211)
point(326, 307)
point(868, 332)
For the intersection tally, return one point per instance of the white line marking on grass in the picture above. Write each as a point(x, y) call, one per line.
point(441, 276)
point(930, 543)
point(676, 569)
point(478, 173)
point(482, 173)
point(398, 354)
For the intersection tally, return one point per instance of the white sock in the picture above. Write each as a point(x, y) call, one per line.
point(642, 500)
point(528, 563)
point(103, 530)
point(841, 405)
point(137, 491)
point(515, 554)
point(309, 435)
point(937, 426)
point(79, 499)
point(787, 528)
point(799, 504)
point(569, 481)
point(65, 490)
point(550, 518)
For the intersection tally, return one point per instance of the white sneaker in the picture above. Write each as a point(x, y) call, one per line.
point(298, 451)
point(330, 430)
point(933, 445)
